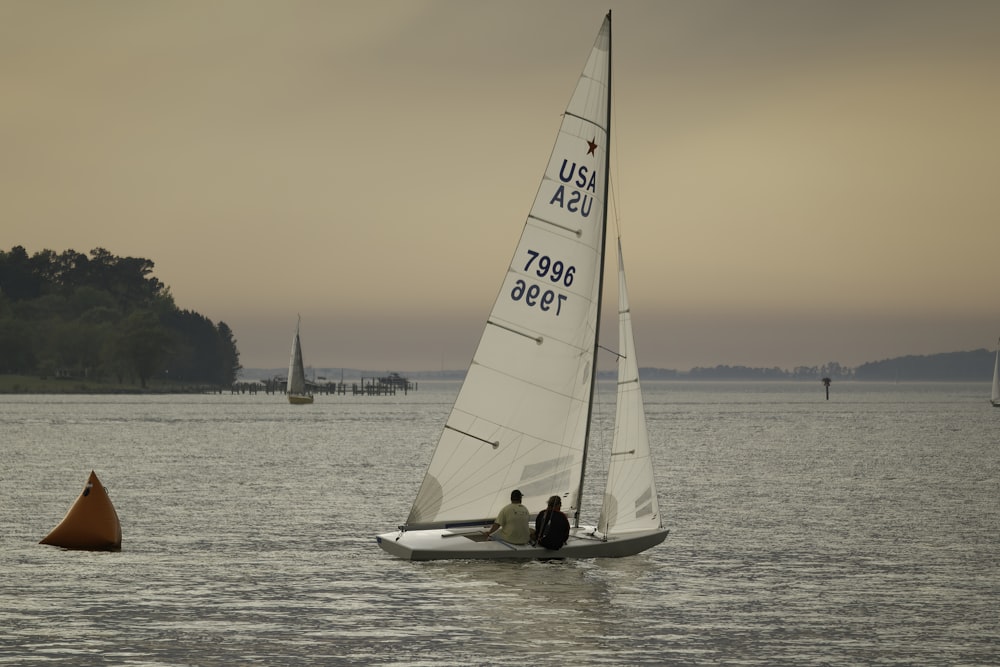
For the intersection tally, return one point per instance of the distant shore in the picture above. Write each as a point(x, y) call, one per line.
point(27, 384)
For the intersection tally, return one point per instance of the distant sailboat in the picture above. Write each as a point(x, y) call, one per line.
point(995, 394)
point(297, 394)
point(91, 524)
point(523, 416)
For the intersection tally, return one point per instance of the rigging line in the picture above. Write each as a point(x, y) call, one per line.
point(600, 451)
point(613, 214)
point(615, 183)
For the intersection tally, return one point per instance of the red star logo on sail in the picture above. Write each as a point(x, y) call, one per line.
point(591, 147)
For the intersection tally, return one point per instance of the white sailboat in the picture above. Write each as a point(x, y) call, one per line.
point(522, 417)
point(995, 394)
point(296, 390)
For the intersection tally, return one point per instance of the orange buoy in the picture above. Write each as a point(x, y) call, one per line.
point(91, 523)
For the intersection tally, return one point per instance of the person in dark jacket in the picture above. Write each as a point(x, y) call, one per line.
point(552, 526)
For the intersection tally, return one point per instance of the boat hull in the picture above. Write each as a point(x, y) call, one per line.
point(299, 399)
point(445, 544)
point(91, 524)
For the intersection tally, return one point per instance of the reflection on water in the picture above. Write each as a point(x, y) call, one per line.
point(858, 530)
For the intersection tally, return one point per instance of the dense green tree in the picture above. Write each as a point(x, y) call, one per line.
point(17, 348)
point(18, 279)
point(86, 298)
point(196, 353)
point(104, 316)
point(145, 344)
point(229, 353)
point(78, 347)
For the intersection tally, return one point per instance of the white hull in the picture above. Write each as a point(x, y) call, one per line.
point(446, 544)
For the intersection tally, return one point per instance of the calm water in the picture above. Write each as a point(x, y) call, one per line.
point(860, 530)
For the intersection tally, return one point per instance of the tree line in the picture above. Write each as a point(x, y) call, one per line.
point(970, 366)
point(104, 318)
point(830, 369)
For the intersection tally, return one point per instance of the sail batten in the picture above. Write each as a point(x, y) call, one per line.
point(537, 339)
point(587, 120)
point(492, 443)
point(576, 231)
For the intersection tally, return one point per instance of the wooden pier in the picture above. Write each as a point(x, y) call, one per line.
point(388, 385)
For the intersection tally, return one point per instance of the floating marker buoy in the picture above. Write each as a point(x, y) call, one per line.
point(91, 523)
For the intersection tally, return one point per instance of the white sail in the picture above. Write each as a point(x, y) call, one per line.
point(296, 389)
point(520, 420)
point(995, 394)
point(630, 501)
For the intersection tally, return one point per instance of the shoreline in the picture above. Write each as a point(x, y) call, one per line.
point(27, 384)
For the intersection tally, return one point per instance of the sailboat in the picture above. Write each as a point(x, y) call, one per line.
point(296, 391)
point(995, 394)
point(522, 418)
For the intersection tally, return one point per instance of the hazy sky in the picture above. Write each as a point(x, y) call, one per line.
point(800, 181)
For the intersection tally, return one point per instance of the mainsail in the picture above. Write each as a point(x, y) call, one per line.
point(520, 419)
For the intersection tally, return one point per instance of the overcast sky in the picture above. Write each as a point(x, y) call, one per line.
point(800, 182)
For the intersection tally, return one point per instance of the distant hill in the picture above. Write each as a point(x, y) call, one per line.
point(972, 366)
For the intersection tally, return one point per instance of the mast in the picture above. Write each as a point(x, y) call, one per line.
point(995, 392)
point(600, 290)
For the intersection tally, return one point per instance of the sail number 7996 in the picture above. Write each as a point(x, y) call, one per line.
point(543, 266)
